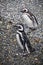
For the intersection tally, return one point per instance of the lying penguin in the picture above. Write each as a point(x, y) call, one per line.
point(29, 19)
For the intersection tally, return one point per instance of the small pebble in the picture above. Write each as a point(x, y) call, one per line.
point(17, 54)
point(8, 26)
point(14, 40)
point(36, 59)
point(0, 22)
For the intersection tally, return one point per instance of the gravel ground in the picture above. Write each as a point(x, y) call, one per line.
point(10, 52)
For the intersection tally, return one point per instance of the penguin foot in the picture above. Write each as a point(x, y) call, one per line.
point(33, 49)
point(23, 54)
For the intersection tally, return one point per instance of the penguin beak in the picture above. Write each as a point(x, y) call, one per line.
point(15, 26)
point(21, 11)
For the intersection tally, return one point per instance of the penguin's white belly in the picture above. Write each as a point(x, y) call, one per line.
point(19, 42)
point(28, 21)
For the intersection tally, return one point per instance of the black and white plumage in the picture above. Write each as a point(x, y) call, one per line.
point(29, 19)
point(22, 39)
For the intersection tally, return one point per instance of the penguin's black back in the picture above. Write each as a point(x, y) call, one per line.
point(27, 41)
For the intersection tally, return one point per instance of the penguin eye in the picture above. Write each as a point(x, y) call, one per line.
point(24, 10)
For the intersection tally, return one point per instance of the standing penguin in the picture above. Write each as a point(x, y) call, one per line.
point(22, 39)
point(29, 19)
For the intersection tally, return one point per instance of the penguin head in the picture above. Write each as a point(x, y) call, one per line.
point(20, 27)
point(24, 10)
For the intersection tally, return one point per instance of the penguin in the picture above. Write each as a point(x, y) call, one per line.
point(22, 39)
point(29, 19)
